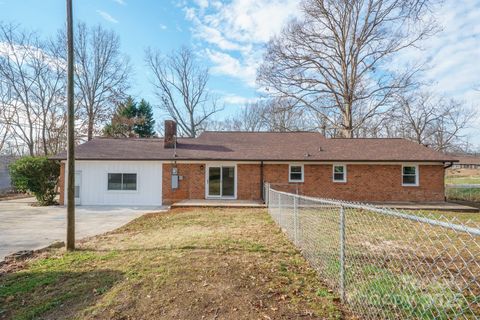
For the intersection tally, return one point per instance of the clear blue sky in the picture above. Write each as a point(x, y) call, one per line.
point(229, 37)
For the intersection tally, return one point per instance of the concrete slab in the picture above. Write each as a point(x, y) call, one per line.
point(219, 203)
point(23, 226)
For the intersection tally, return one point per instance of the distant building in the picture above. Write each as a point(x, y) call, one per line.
point(467, 162)
point(5, 185)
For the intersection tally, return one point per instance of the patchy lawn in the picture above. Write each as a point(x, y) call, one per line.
point(185, 264)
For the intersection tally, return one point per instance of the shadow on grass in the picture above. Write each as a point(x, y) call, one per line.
point(52, 294)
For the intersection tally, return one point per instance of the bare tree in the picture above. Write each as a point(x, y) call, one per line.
point(101, 75)
point(270, 115)
point(5, 118)
point(449, 128)
point(281, 114)
point(32, 81)
point(181, 85)
point(249, 118)
point(336, 59)
point(431, 120)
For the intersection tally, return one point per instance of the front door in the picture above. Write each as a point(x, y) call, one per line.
point(221, 182)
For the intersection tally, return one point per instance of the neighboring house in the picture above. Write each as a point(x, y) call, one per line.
point(234, 165)
point(5, 184)
point(467, 162)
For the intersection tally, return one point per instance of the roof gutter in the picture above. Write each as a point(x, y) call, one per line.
point(449, 165)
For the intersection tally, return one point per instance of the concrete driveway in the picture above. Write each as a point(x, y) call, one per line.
point(23, 227)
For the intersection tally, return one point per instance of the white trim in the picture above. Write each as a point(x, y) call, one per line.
point(290, 165)
point(344, 180)
point(417, 175)
point(220, 165)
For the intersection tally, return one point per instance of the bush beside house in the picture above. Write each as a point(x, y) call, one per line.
point(37, 175)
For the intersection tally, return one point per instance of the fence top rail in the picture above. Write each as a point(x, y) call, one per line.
point(452, 185)
point(389, 212)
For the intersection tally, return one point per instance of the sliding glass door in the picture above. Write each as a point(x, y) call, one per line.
point(221, 181)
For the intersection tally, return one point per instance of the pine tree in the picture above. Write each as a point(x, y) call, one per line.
point(145, 124)
point(123, 120)
point(131, 119)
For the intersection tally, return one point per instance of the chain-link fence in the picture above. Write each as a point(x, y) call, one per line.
point(383, 263)
point(463, 192)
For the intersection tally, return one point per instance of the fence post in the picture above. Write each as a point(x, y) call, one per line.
point(267, 197)
point(295, 220)
point(280, 218)
point(342, 254)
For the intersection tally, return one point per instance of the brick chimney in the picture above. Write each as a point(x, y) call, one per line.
point(170, 134)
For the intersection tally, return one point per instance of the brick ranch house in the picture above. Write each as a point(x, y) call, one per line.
point(234, 165)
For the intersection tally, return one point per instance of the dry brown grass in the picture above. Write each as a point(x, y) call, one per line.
point(184, 264)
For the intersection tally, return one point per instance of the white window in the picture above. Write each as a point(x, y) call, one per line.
point(295, 173)
point(339, 173)
point(410, 175)
point(122, 181)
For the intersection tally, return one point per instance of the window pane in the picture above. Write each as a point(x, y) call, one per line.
point(295, 176)
point(409, 180)
point(129, 181)
point(296, 173)
point(297, 169)
point(338, 169)
point(338, 176)
point(214, 181)
point(409, 170)
point(228, 181)
point(114, 181)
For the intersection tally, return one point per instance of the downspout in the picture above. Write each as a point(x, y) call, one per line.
point(262, 190)
point(448, 166)
point(445, 168)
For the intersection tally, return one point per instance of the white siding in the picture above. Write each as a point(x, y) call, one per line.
point(94, 178)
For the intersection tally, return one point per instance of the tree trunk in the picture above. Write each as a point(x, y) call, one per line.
point(347, 130)
point(90, 128)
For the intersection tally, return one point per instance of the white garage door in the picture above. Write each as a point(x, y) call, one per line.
point(123, 183)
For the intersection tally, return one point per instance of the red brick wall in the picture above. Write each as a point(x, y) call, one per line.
point(61, 184)
point(364, 182)
point(249, 182)
point(192, 186)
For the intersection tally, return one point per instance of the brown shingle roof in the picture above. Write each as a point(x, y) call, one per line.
point(268, 146)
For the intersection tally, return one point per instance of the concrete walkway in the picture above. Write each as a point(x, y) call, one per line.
point(23, 227)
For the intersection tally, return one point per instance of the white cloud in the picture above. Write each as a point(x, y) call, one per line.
point(107, 16)
point(121, 2)
point(225, 64)
point(163, 27)
point(453, 54)
point(233, 99)
point(237, 31)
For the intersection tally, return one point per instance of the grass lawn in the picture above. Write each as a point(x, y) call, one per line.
point(185, 264)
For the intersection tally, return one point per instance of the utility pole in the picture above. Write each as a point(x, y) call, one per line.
point(70, 134)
